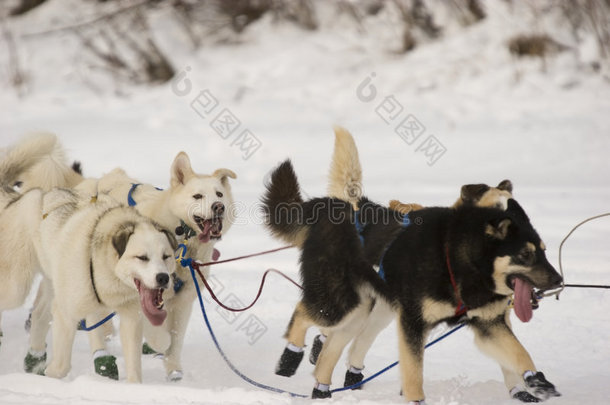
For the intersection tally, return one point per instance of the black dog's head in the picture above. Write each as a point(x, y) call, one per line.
point(520, 262)
point(520, 252)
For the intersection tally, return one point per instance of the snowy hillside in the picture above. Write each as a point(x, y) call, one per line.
point(485, 116)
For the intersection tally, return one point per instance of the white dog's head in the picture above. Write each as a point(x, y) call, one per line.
point(146, 262)
point(203, 202)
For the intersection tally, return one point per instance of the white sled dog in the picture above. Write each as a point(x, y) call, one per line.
point(99, 256)
point(37, 161)
point(199, 208)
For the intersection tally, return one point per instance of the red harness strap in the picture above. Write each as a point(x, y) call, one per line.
point(461, 308)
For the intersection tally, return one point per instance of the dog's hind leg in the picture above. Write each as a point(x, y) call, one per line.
point(295, 334)
point(335, 342)
point(411, 337)
point(379, 318)
point(103, 362)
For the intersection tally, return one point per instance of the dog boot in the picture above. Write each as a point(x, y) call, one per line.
point(353, 376)
point(321, 391)
point(105, 364)
point(316, 348)
point(34, 362)
point(539, 386)
point(146, 349)
point(290, 360)
point(522, 395)
point(175, 376)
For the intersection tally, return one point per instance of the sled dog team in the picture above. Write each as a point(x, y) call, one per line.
point(107, 245)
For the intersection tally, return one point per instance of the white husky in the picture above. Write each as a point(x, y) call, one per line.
point(198, 207)
point(98, 255)
point(37, 161)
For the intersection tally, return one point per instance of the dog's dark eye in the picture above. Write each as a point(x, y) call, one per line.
point(219, 194)
point(143, 258)
point(197, 196)
point(527, 257)
point(165, 257)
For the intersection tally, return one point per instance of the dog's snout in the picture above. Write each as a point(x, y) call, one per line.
point(218, 208)
point(162, 279)
point(556, 280)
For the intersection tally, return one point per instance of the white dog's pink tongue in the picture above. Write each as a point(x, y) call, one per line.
point(523, 305)
point(148, 300)
point(204, 235)
point(215, 255)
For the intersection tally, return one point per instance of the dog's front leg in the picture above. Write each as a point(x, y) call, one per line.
point(412, 334)
point(131, 340)
point(64, 329)
point(496, 339)
point(177, 323)
point(41, 316)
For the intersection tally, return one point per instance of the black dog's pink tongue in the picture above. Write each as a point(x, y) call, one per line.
point(523, 305)
point(148, 296)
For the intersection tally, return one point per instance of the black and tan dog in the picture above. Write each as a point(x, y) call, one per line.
point(459, 263)
point(345, 183)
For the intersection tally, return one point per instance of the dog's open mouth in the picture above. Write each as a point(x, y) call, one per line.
point(209, 228)
point(151, 301)
point(525, 299)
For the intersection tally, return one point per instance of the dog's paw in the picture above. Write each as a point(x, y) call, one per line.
point(523, 396)
point(289, 362)
point(353, 378)
point(316, 348)
point(320, 394)
point(106, 366)
point(175, 376)
point(539, 386)
point(35, 363)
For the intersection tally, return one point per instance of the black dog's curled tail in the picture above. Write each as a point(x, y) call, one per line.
point(283, 205)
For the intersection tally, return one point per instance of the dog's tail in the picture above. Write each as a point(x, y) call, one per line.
point(283, 205)
point(38, 161)
point(345, 176)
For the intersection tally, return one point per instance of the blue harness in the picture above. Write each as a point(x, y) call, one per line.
point(406, 221)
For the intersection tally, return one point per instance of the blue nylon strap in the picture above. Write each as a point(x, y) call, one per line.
point(406, 221)
point(359, 226)
point(97, 325)
point(130, 200)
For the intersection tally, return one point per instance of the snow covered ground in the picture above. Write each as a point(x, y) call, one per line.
point(491, 117)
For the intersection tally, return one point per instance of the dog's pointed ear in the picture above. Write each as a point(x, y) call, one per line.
point(471, 193)
point(514, 207)
point(223, 174)
point(506, 185)
point(121, 238)
point(181, 170)
point(170, 236)
point(498, 229)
